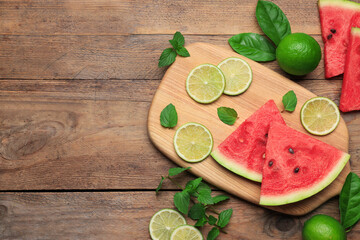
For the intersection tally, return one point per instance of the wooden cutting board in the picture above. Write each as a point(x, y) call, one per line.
point(266, 85)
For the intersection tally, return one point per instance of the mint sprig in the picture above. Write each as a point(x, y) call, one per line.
point(169, 54)
point(195, 200)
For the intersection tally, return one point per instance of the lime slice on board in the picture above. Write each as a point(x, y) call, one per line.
point(319, 116)
point(186, 232)
point(164, 222)
point(238, 75)
point(193, 142)
point(205, 83)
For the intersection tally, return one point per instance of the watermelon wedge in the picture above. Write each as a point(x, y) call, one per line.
point(242, 152)
point(297, 166)
point(350, 100)
point(336, 18)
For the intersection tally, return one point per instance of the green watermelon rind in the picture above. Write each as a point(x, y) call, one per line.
point(296, 196)
point(339, 3)
point(355, 30)
point(235, 167)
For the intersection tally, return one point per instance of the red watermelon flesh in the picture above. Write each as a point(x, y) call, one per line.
point(336, 18)
point(297, 166)
point(242, 152)
point(350, 92)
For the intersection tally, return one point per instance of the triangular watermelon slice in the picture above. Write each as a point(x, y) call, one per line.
point(243, 151)
point(297, 166)
point(336, 18)
point(350, 100)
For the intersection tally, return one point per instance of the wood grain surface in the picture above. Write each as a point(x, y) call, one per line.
point(77, 78)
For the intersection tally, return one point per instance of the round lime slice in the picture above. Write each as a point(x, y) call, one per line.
point(164, 222)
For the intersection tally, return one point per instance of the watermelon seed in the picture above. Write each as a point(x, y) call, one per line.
point(263, 156)
point(333, 30)
point(270, 163)
point(296, 170)
point(266, 135)
point(291, 150)
point(329, 36)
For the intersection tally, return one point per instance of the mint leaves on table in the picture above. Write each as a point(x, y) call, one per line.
point(169, 54)
point(273, 23)
point(168, 116)
point(195, 200)
point(349, 201)
point(289, 100)
point(227, 115)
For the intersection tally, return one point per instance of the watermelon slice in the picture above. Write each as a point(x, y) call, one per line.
point(297, 166)
point(350, 100)
point(243, 151)
point(336, 18)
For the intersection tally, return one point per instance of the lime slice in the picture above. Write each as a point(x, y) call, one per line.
point(205, 83)
point(238, 75)
point(319, 116)
point(186, 232)
point(193, 142)
point(163, 223)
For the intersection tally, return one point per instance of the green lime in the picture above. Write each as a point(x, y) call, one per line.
point(320, 227)
point(298, 54)
point(186, 232)
point(163, 223)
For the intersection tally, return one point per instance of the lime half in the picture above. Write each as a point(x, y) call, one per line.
point(186, 232)
point(163, 223)
point(193, 142)
point(238, 75)
point(319, 116)
point(205, 83)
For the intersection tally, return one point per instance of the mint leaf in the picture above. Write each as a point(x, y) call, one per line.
point(219, 198)
point(192, 185)
point(168, 116)
point(227, 115)
point(224, 217)
point(349, 201)
point(160, 184)
point(167, 57)
point(253, 46)
point(213, 234)
point(212, 220)
point(182, 51)
point(175, 44)
point(201, 222)
point(289, 100)
point(272, 21)
point(197, 211)
point(177, 170)
point(179, 38)
point(182, 201)
point(204, 197)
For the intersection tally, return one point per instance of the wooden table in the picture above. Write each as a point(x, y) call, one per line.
point(76, 82)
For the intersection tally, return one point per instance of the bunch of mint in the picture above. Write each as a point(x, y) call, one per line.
point(169, 54)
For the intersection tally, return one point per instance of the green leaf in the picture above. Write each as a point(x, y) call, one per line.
point(167, 57)
point(179, 38)
point(182, 201)
point(175, 44)
point(219, 198)
point(177, 170)
point(212, 220)
point(224, 217)
point(349, 201)
point(197, 211)
point(160, 184)
point(289, 100)
point(253, 46)
point(272, 21)
point(204, 197)
point(182, 51)
point(192, 185)
point(168, 116)
point(227, 115)
point(213, 234)
point(201, 222)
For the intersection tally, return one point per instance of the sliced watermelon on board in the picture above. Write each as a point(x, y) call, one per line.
point(350, 92)
point(297, 166)
point(243, 151)
point(336, 18)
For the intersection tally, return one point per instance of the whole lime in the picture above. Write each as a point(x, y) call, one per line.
point(298, 54)
point(321, 227)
